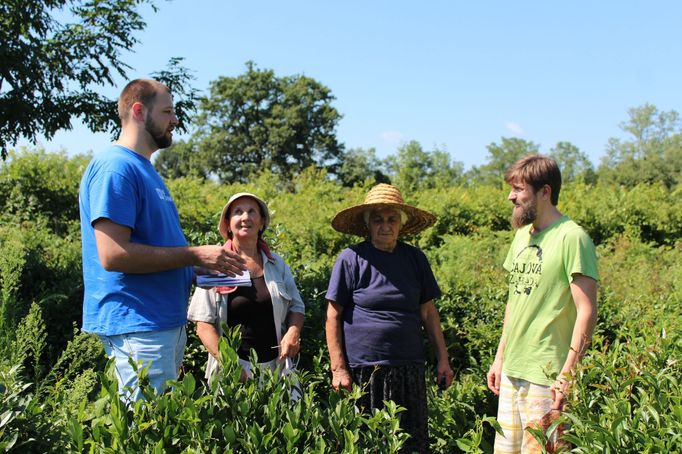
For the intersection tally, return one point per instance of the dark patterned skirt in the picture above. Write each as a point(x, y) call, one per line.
point(404, 385)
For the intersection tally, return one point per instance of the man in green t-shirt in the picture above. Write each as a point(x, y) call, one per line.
point(551, 309)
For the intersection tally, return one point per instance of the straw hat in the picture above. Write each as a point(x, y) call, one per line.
point(351, 220)
point(223, 223)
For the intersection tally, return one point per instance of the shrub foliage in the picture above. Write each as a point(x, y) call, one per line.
point(57, 396)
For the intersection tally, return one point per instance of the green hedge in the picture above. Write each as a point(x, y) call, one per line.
point(55, 396)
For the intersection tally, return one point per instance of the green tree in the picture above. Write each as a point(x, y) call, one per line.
point(50, 70)
point(500, 158)
point(359, 165)
point(445, 171)
point(574, 164)
point(182, 159)
point(652, 153)
point(261, 121)
point(413, 168)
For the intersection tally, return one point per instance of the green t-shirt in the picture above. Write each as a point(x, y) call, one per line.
point(542, 312)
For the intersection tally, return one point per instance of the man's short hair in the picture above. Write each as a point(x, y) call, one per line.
point(537, 171)
point(138, 90)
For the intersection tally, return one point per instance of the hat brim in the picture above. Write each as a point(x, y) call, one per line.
point(222, 222)
point(351, 219)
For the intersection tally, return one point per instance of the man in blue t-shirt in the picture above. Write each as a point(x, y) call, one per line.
point(137, 266)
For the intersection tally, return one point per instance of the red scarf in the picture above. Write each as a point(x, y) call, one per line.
point(262, 246)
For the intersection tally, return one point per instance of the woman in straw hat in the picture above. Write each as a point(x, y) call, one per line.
point(270, 311)
point(380, 295)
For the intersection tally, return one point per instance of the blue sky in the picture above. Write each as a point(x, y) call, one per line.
point(452, 75)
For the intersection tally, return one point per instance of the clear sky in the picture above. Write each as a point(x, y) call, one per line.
point(453, 75)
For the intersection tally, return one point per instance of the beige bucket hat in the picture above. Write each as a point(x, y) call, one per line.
point(223, 224)
point(351, 220)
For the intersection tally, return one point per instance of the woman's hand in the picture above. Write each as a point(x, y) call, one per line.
point(445, 374)
point(341, 379)
point(290, 345)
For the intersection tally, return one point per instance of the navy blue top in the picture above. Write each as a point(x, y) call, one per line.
point(381, 294)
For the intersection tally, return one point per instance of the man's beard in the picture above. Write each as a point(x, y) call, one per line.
point(525, 215)
point(161, 139)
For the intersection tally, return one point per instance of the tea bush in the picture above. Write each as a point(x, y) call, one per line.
point(38, 266)
point(36, 184)
point(650, 213)
point(472, 306)
point(641, 288)
point(228, 416)
point(454, 415)
point(626, 397)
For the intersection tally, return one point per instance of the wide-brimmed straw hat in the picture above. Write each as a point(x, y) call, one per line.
point(223, 225)
point(351, 220)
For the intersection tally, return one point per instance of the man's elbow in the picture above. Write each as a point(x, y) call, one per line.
point(594, 314)
point(113, 262)
point(588, 315)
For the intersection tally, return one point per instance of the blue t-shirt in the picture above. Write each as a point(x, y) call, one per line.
point(124, 187)
point(381, 294)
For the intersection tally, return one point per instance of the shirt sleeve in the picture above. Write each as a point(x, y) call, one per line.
point(113, 196)
point(429, 286)
point(340, 283)
point(203, 307)
point(296, 300)
point(580, 255)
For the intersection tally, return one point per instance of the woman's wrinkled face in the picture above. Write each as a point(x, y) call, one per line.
point(384, 228)
point(245, 219)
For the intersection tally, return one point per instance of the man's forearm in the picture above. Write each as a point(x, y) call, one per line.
point(499, 354)
point(141, 258)
point(584, 293)
point(580, 340)
point(117, 253)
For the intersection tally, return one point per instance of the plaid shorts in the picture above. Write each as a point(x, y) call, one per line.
point(524, 404)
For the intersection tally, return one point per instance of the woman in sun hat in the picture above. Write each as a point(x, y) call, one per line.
point(270, 311)
point(380, 294)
